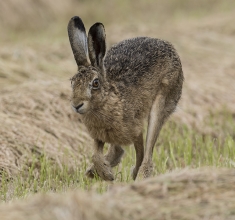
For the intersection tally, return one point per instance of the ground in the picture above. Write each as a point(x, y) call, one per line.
point(43, 145)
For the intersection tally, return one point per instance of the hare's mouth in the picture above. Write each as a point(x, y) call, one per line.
point(80, 108)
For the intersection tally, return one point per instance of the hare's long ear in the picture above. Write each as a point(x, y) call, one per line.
point(96, 45)
point(78, 41)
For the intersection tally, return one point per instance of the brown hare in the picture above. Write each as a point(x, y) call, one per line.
point(116, 91)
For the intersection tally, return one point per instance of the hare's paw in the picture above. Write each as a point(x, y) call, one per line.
point(90, 172)
point(103, 168)
point(145, 171)
point(105, 173)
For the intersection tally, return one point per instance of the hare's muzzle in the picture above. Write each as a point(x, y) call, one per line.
point(79, 108)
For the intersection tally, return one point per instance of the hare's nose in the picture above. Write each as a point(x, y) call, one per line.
point(78, 106)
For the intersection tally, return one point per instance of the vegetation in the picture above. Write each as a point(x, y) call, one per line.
point(178, 147)
point(43, 145)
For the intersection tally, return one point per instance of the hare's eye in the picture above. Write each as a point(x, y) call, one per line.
point(95, 84)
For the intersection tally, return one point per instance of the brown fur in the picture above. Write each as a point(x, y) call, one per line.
point(139, 78)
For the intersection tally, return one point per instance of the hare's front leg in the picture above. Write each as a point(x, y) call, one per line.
point(101, 166)
point(113, 156)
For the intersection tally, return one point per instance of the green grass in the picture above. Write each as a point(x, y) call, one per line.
point(178, 146)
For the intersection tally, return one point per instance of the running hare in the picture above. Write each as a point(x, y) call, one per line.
point(116, 91)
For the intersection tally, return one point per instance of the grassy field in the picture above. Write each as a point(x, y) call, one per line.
point(45, 148)
point(178, 147)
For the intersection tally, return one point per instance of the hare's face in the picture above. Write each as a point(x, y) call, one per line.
point(86, 90)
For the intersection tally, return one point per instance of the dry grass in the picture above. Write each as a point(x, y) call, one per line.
point(36, 63)
point(38, 120)
point(35, 66)
point(186, 194)
point(26, 15)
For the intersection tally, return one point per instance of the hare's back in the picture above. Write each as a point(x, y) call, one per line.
point(135, 58)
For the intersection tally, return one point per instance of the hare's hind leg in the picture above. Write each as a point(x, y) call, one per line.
point(160, 110)
point(113, 156)
point(100, 165)
point(139, 150)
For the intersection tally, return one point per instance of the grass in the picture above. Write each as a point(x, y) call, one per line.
point(178, 147)
point(35, 48)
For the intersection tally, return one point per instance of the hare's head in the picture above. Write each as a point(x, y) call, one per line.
point(88, 85)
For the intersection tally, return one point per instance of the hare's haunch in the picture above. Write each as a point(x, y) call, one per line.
point(116, 91)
